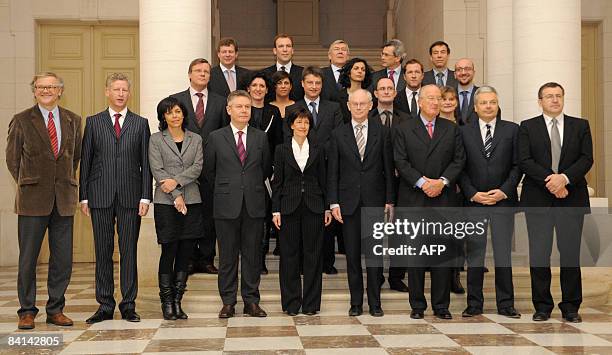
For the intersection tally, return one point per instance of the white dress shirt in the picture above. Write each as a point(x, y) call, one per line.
point(317, 102)
point(336, 71)
point(56, 121)
point(444, 77)
point(121, 119)
point(232, 72)
point(244, 134)
point(483, 128)
point(548, 121)
point(409, 97)
point(300, 153)
point(287, 67)
point(195, 98)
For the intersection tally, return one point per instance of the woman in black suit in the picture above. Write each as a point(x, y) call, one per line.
point(300, 213)
point(355, 74)
point(267, 118)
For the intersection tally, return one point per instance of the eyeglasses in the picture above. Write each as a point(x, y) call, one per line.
point(47, 87)
point(466, 69)
point(359, 105)
point(550, 97)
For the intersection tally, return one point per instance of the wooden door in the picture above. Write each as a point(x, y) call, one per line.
point(300, 19)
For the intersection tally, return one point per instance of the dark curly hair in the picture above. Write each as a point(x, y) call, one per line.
point(165, 106)
point(345, 73)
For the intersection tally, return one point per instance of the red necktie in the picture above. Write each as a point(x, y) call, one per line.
point(240, 147)
point(391, 74)
point(430, 129)
point(117, 125)
point(52, 135)
point(200, 110)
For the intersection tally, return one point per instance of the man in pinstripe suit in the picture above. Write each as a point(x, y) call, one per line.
point(115, 188)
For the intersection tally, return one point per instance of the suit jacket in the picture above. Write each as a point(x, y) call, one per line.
point(290, 185)
point(218, 84)
point(398, 118)
point(417, 155)
point(271, 123)
point(295, 74)
point(233, 183)
point(535, 161)
point(499, 171)
point(429, 78)
point(43, 180)
point(114, 167)
point(215, 114)
point(330, 88)
point(471, 114)
point(352, 181)
point(401, 103)
point(329, 117)
point(184, 166)
point(400, 85)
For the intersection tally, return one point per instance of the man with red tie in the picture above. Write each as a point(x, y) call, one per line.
point(42, 154)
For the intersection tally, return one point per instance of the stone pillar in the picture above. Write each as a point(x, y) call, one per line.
point(547, 42)
point(499, 60)
point(171, 35)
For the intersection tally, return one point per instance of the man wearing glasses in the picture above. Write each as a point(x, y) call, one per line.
point(42, 154)
point(464, 73)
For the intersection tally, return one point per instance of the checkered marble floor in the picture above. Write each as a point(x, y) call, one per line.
point(326, 333)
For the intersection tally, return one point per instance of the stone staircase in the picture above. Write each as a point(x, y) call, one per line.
point(259, 58)
point(203, 296)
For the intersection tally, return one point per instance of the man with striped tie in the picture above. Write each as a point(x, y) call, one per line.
point(116, 189)
point(489, 179)
point(237, 161)
point(42, 154)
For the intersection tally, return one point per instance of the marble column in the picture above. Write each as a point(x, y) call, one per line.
point(171, 35)
point(499, 60)
point(547, 42)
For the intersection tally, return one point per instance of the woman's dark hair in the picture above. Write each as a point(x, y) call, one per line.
point(300, 112)
point(345, 74)
point(259, 75)
point(165, 106)
point(280, 75)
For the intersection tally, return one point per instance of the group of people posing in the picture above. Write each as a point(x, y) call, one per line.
point(301, 151)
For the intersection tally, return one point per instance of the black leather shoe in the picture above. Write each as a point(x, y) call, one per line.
point(264, 269)
point(443, 314)
point(509, 312)
point(210, 269)
point(253, 310)
point(99, 316)
point(573, 317)
point(541, 316)
point(309, 313)
point(355, 311)
point(398, 286)
point(130, 315)
point(456, 286)
point(417, 314)
point(471, 312)
point(331, 271)
point(292, 313)
point(227, 311)
point(376, 312)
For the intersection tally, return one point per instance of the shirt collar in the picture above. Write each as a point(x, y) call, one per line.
point(45, 112)
point(483, 123)
point(231, 69)
point(287, 66)
point(381, 110)
point(122, 112)
point(548, 119)
point(308, 101)
point(436, 71)
point(396, 70)
point(192, 92)
point(335, 68)
point(235, 130)
point(433, 122)
point(295, 145)
point(469, 89)
point(355, 123)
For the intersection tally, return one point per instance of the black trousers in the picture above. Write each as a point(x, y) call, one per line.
point(30, 233)
point(440, 288)
point(329, 244)
point(240, 238)
point(128, 227)
point(351, 230)
point(302, 234)
point(204, 248)
point(568, 229)
point(502, 230)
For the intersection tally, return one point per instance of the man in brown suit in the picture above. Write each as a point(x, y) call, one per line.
point(42, 154)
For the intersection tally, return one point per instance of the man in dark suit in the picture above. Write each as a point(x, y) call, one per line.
point(206, 113)
point(406, 100)
point(556, 152)
point(283, 51)
point(489, 179)
point(429, 157)
point(360, 175)
point(116, 189)
point(391, 57)
point(466, 90)
point(338, 55)
point(42, 154)
point(326, 116)
point(227, 76)
point(237, 161)
point(440, 75)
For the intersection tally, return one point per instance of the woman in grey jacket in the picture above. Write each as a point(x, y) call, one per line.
point(175, 157)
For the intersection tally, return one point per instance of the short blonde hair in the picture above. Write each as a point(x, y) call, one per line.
point(46, 74)
point(112, 77)
point(338, 41)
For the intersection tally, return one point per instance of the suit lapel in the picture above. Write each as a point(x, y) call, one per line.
point(66, 128)
point(568, 126)
point(249, 143)
point(39, 124)
point(543, 132)
point(128, 122)
point(170, 142)
point(312, 154)
point(288, 146)
point(349, 137)
point(477, 137)
point(222, 79)
point(497, 135)
point(229, 136)
point(186, 143)
point(107, 122)
point(373, 130)
point(421, 132)
point(439, 131)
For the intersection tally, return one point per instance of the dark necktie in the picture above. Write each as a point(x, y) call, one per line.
point(413, 105)
point(464, 105)
point(200, 110)
point(488, 142)
point(282, 68)
point(555, 145)
point(439, 81)
point(386, 118)
point(53, 135)
point(391, 75)
point(338, 80)
point(240, 148)
point(313, 110)
point(117, 125)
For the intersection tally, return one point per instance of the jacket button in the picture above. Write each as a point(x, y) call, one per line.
point(302, 190)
